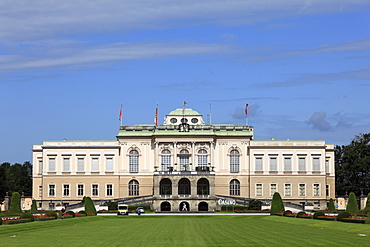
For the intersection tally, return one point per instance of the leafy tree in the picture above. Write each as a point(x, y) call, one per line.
point(367, 206)
point(277, 204)
point(15, 178)
point(352, 165)
point(352, 203)
point(331, 204)
point(15, 203)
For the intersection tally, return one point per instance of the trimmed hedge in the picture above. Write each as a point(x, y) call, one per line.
point(28, 215)
point(317, 214)
point(13, 222)
point(343, 215)
point(70, 213)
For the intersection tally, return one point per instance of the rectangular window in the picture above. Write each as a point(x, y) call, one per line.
point(234, 163)
point(316, 189)
point(302, 190)
point(273, 164)
point(327, 166)
point(40, 167)
point(94, 164)
point(40, 191)
point(258, 189)
point(272, 189)
point(316, 164)
point(327, 190)
point(51, 164)
point(65, 189)
point(109, 164)
point(109, 190)
point(80, 164)
point(133, 163)
point(51, 189)
point(302, 164)
point(95, 190)
point(288, 164)
point(165, 161)
point(258, 164)
point(287, 189)
point(80, 190)
point(66, 164)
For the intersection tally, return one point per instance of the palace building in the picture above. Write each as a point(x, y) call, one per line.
point(183, 165)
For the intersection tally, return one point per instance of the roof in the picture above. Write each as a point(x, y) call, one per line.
point(188, 112)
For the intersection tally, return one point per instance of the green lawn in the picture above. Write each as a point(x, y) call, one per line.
point(240, 230)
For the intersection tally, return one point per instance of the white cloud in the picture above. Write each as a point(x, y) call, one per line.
point(56, 56)
point(25, 20)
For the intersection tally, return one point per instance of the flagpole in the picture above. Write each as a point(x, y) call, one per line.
point(210, 113)
point(246, 114)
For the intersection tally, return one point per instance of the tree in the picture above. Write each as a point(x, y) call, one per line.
point(352, 203)
point(331, 206)
point(277, 204)
point(352, 165)
point(367, 206)
point(15, 178)
point(15, 203)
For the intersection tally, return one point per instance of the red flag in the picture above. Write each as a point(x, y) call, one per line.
point(246, 109)
point(156, 116)
point(120, 114)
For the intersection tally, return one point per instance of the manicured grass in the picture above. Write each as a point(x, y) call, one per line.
point(240, 230)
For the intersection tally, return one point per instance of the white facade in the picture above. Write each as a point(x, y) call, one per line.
point(198, 163)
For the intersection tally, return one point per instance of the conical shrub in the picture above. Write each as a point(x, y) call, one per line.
point(277, 204)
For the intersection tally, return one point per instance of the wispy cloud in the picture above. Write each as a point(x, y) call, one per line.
point(23, 20)
point(56, 56)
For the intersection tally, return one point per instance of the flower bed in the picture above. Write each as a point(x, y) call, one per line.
point(80, 214)
point(251, 211)
point(14, 220)
point(43, 217)
point(327, 217)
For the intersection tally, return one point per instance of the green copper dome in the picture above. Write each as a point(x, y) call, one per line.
point(188, 112)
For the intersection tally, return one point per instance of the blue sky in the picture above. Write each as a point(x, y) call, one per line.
point(65, 68)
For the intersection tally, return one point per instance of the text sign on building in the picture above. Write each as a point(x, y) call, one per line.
point(224, 202)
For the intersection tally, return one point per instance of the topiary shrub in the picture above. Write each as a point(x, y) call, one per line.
point(71, 213)
point(367, 206)
point(352, 203)
point(1, 221)
point(317, 214)
point(89, 206)
point(28, 215)
point(343, 215)
point(34, 206)
point(331, 206)
point(254, 205)
point(287, 213)
point(277, 204)
point(52, 214)
point(15, 203)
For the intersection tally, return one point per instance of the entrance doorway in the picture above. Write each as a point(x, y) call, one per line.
point(165, 206)
point(203, 206)
point(184, 206)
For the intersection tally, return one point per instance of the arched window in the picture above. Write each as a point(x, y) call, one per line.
point(133, 161)
point(203, 186)
point(184, 159)
point(165, 187)
point(234, 187)
point(133, 188)
point(184, 186)
point(202, 159)
point(234, 160)
point(165, 159)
